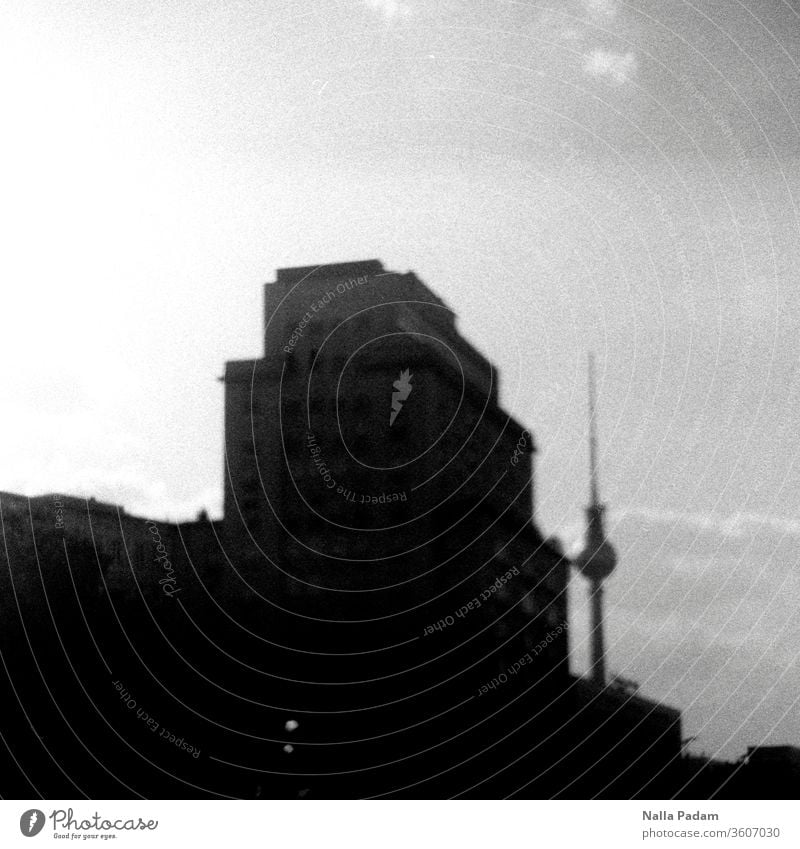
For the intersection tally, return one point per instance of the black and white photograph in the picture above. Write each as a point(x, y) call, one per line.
point(401, 404)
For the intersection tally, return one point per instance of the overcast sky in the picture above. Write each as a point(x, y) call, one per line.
point(615, 176)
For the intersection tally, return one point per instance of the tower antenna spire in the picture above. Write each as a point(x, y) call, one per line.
point(593, 486)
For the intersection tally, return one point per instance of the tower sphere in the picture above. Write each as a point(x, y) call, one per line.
point(598, 558)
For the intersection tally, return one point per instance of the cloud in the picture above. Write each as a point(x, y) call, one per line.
point(600, 22)
point(601, 8)
point(739, 525)
point(736, 528)
point(390, 9)
point(618, 67)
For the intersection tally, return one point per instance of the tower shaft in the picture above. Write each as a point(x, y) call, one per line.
point(598, 670)
point(598, 558)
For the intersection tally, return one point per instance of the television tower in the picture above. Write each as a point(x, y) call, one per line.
point(598, 559)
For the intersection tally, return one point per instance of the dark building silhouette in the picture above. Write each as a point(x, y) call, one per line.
point(763, 772)
point(373, 481)
point(769, 772)
point(376, 614)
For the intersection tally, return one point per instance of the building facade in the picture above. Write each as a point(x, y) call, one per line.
point(380, 502)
